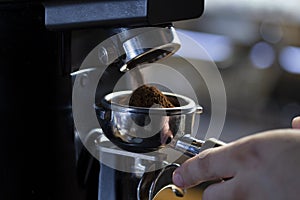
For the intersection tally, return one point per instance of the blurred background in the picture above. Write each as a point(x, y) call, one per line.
point(256, 47)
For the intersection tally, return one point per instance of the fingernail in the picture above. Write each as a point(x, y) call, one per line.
point(177, 179)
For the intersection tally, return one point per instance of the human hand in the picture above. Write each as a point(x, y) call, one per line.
point(296, 122)
point(261, 166)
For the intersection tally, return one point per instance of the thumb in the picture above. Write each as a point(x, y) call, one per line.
point(296, 123)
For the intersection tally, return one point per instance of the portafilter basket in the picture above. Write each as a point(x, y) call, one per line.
point(142, 130)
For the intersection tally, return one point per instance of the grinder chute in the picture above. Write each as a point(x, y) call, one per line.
point(150, 47)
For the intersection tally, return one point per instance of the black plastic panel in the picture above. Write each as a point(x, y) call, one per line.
point(119, 13)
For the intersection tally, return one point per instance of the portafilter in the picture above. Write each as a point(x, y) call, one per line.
point(142, 130)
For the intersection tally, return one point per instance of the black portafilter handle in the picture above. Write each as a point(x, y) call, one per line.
point(191, 146)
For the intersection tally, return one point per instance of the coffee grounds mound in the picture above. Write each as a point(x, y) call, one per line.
point(148, 96)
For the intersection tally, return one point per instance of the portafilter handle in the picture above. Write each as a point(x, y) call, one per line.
point(191, 146)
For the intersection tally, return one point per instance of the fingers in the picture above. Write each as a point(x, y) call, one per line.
point(210, 164)
point(296, 123)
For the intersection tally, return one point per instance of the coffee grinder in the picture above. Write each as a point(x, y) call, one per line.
point(42, 44)
point(97, 76)
point(127, 139)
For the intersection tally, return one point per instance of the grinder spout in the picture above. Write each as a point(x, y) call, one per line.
point(150, 46)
